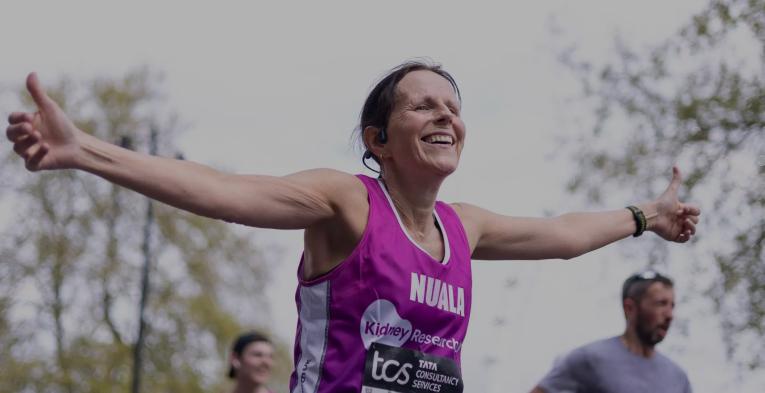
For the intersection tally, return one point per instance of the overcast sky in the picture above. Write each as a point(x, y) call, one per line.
point(275, 88)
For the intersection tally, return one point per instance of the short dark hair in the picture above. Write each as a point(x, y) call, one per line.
point(636, 285)
point(241, 343)
point(380, 101)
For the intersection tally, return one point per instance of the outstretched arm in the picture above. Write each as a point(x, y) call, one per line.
point(47, 139)
point(495, 236)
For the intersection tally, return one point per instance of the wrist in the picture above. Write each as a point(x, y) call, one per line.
point(651, 213)
point(89, 152)
point(644, 216)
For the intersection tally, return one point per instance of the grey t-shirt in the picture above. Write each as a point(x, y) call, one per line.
point(607, 366)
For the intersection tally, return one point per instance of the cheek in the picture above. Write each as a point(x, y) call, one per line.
point(254, 362)
point(460, 130)
point(657, 316)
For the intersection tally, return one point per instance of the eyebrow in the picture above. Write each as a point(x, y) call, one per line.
point(449, 101)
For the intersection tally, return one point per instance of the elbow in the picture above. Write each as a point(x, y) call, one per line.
point(569, 255)
point(573, 251)
point(572, 246)
point(570, 241)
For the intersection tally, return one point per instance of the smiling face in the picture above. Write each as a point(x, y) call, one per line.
point(254, 364)
point(425, 130)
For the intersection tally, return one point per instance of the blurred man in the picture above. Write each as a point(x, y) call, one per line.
point(627, 363)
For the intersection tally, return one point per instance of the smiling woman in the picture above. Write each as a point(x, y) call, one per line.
point(250, 363)
point(384, 293)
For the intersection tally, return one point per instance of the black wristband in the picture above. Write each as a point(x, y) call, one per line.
point(640, 221)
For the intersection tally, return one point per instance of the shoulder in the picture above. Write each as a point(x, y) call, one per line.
point(583, 359)
point(604, 348)
point(580, 356)
point(605, 344)
point(337, 185)
point(570, 372)
point(593, 353)
point(585, 352)
point(465, 210)
point(671, 366)
point(470, 215)
point(325, 176)
point(472, 218)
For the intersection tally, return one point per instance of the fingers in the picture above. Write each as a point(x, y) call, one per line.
point(691, 210)
point(689, 226)
point(27, 143)
point(35, 157)
point(24, 147)
point(687, 229)
point(687, 210)
point(16, 132)
point(31, 150)
point(38, 93)
point(682, 217)
point(19, 117)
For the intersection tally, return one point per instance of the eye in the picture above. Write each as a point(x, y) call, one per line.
point(421, 107)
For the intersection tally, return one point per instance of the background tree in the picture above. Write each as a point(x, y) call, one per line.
point(70, 281)
point(698, 99)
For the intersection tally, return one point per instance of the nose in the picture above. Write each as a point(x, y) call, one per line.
point(669, 314)
point(443, 115)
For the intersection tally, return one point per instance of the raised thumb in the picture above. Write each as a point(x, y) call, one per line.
point(676, 178)
point(38, 92)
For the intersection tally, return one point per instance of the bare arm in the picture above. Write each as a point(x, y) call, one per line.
point(494, 236)
point(47, 139)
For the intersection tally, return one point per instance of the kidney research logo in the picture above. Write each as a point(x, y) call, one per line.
point(381, 323)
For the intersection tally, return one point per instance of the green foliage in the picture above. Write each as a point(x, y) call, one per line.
point(697, 98)
point(70, 282)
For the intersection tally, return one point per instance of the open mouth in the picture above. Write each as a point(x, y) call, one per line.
point(439, 139)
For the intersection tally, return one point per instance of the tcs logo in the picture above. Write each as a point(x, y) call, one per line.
point(390, 370)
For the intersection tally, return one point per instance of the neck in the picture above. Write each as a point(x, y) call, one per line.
point(415, 202)
point(631, 340)
point(249, 387)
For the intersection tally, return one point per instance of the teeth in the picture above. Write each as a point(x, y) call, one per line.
point(438, 139)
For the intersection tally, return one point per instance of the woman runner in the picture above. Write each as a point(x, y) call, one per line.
point(384, 281)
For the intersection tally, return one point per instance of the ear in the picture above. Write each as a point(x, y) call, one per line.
point(234, 361)
point(372, 141)
point(630, 307)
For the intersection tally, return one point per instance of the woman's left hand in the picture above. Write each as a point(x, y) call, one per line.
point(676, 221)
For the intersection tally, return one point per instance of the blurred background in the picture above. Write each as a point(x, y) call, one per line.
point(569, 106)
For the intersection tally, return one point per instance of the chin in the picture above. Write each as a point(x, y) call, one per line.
point(448, 167)
point(447, 171)
point(260, 378)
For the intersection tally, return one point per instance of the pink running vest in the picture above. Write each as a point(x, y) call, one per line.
point(389, 318)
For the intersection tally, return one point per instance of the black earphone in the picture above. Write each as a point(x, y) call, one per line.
point(382, 138)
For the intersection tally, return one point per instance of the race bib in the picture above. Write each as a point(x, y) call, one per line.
point(400, 370)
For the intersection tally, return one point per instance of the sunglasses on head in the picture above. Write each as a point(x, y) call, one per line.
point(645, 275)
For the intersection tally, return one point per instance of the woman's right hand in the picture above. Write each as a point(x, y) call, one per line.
point(47, 138)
